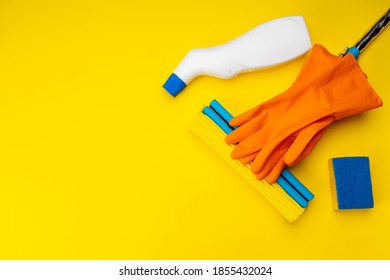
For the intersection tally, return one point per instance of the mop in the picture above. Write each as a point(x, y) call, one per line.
point(288, 195)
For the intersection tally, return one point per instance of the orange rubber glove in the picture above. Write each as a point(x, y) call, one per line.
point(296, 147)
point(262, 113)
point(284, 130)
point(276, 160)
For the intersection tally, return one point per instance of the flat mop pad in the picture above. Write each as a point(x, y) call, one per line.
point(351, 183)
point(209, 132)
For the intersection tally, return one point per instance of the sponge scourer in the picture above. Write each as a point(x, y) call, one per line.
point(351, 183)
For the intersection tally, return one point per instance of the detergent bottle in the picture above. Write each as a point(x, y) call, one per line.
point(268, 44)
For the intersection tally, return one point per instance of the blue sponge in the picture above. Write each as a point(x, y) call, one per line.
point(351, 183)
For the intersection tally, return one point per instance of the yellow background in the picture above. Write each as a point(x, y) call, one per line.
point(96, 159)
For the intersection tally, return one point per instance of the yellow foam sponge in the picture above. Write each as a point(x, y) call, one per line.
point(209, 132)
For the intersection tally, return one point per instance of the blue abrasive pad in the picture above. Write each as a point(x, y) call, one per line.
point(351, 183)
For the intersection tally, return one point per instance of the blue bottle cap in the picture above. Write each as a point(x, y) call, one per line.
point(174, 85)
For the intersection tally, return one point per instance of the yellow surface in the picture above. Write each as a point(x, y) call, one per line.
point(97, 162)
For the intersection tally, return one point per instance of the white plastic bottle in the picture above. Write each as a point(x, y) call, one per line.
point(268, 44)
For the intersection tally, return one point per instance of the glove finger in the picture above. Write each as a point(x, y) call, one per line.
point(309, 147)
point(249, 158)
point(276, 171)
point(304, 137)
point(246, 130)
point(268, 157)
point(250, 145)
point(277, 163)
point(246, 116)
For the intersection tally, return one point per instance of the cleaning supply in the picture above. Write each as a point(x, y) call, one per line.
point(290, 184)
point(269, 44)
point(285, 129)
point(351, 183)
point(210, 133)
point(334, 89)
point(211, 126)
